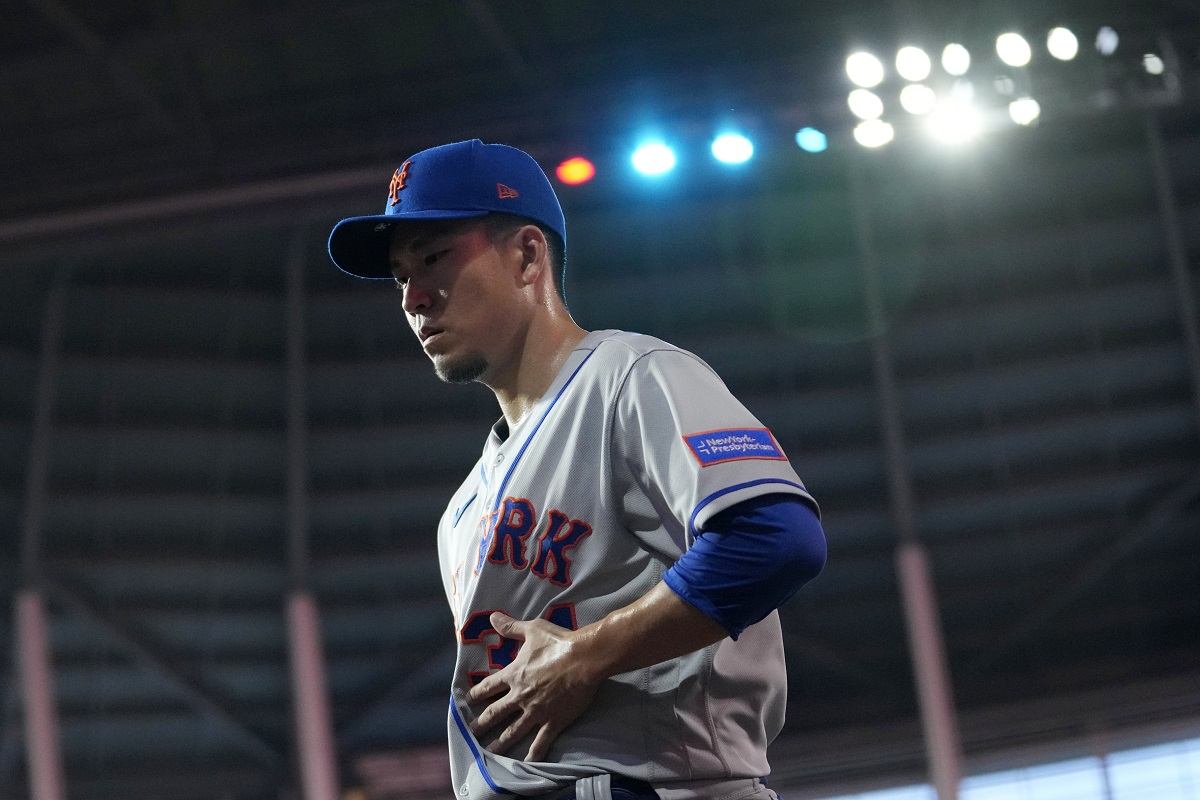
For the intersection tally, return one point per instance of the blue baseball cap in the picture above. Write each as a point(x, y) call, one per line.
point(452, 181)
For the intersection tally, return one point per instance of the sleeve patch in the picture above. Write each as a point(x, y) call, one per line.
point(733, 444)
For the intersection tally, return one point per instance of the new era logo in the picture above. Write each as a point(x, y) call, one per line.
point(506, 192)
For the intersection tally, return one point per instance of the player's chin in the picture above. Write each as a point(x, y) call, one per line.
point(461, 368)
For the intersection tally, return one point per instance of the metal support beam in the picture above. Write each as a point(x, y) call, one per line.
point(1185, 290)
point(1044, 609)
point(42, 748)
point(297, 415)
point(313, 718)
point(161, 209)
point(943, 747)
point(310, 701)
point(36, 665)
point(149, 655)
point(37, 472)
point(935, 695)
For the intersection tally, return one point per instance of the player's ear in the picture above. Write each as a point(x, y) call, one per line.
point(535, 254)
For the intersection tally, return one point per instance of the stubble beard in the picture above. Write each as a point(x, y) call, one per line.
point(467, 369)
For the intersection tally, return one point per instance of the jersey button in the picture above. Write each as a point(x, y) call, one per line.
point(499, 457)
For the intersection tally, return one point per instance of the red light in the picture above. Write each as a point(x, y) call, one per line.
point(575, 171)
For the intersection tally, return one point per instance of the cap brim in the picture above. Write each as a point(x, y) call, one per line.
point(359, 245)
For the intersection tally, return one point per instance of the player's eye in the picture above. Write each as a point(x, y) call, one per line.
point(432, 258)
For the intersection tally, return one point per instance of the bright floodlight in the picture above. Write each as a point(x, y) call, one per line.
point(1013, 49)
point(1062, 44)
point(653, 158)
point(811, 140)
point(874, 133)
point(1106, 41)
point(956, 60)
point(913, 64)
point(865, 104)
point(1153, 64)
point(917, 98)
point(732, 148)
point(864, 69)
point(963, 91)
point(955, 123)
point(1024, 110)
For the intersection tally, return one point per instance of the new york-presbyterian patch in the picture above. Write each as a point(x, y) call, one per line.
point(733, 444)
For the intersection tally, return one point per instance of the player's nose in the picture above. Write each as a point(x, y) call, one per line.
point(417, 298)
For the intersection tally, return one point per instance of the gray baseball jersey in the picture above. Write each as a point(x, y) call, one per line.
point(579, 510)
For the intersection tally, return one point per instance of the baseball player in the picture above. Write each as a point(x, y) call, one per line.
point(614, 559)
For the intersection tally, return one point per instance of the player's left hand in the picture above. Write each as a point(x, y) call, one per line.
point(545, 688)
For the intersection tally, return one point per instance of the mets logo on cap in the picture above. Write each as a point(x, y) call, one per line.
point(399, 178)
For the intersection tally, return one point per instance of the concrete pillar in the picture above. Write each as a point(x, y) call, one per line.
point(43, 754)
point(312, 717)
point(1185, 290)
point(934, 689)
point(42, 745)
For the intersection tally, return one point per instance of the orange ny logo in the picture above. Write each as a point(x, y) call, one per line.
point(398, 179)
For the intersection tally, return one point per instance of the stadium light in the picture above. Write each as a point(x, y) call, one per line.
point(575, 171)
point(956, 60)
point(654, 159)
point(874, 133)
point(913, 64)
point(1062, 44)
point(918, 99)
point(811, 140)
point(1013, 49)
point(864, 69)
point(865, 104)
point(1153, 64)
point(1024, 110)
point(955, 123)
point(1107, 41)
point(732, 148)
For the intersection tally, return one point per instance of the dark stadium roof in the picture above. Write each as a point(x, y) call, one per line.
point(164, 163)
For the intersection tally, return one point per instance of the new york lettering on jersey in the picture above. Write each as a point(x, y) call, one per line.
point(548, 558)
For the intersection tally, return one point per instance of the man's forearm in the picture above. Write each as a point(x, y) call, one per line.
point(658, 626)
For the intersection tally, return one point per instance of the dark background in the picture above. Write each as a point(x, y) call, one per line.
point(165, 164)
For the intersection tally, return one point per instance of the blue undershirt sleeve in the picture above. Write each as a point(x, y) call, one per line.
point(749, 559)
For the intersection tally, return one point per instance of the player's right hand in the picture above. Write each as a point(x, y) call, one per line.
point(548, 685)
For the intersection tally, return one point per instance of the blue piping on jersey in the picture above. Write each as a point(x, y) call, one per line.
point(458, 514)
point(533, 433)
point(462, 728)
point(734, 488)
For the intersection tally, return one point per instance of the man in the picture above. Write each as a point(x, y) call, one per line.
point(614, 559)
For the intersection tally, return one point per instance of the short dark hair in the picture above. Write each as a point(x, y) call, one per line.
point(500, 224)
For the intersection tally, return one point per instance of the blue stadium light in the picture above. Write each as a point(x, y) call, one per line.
point(732, 148)
point(654, 159)
point(811, 140)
